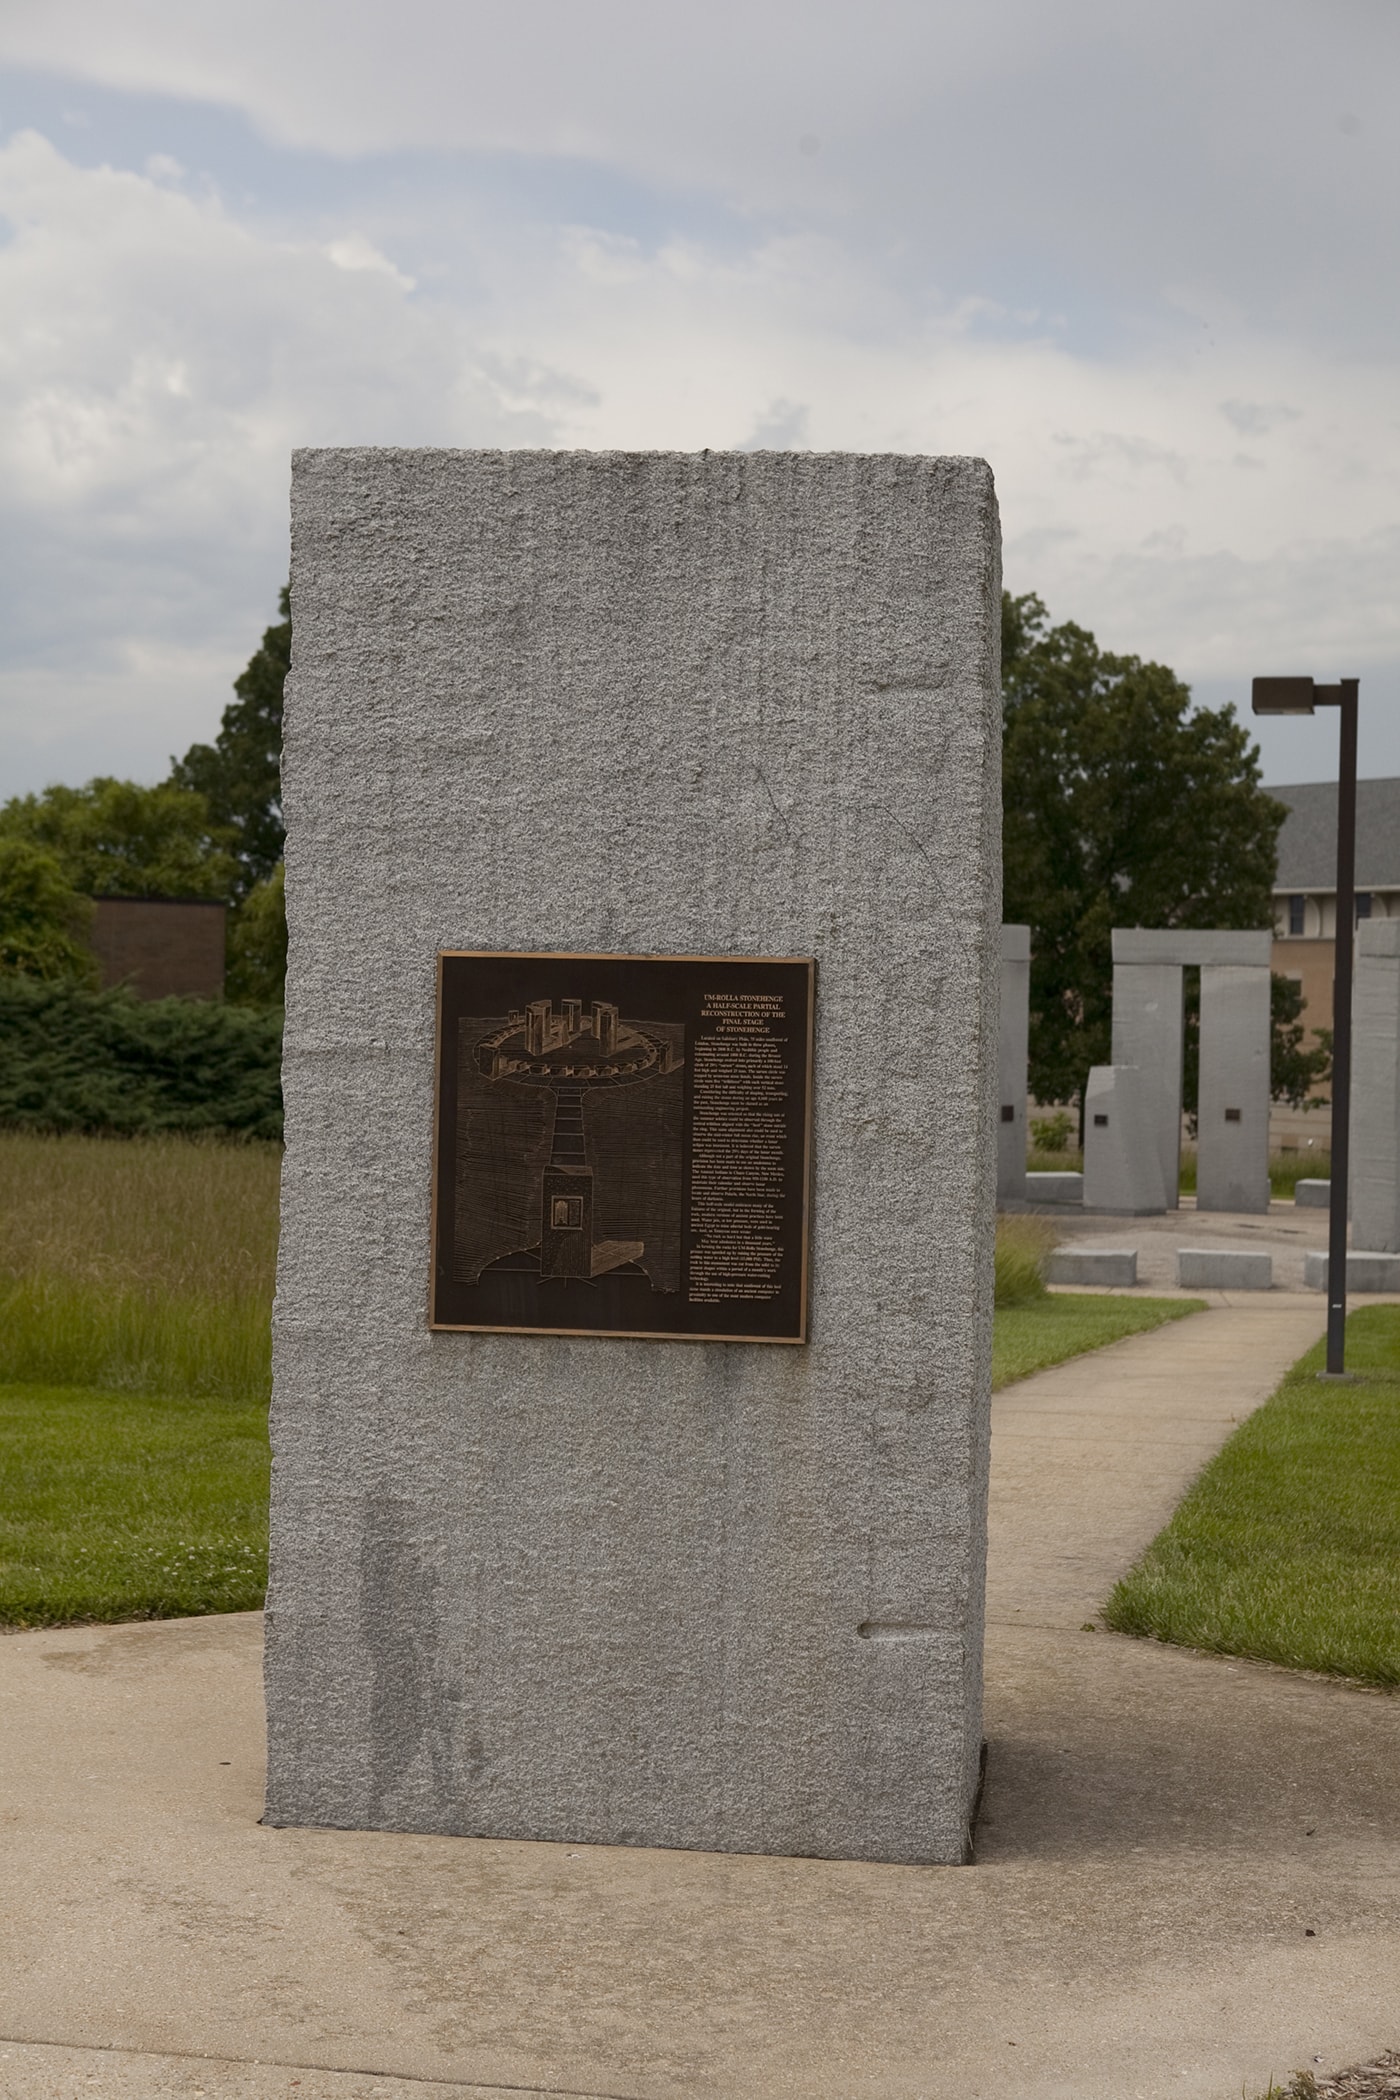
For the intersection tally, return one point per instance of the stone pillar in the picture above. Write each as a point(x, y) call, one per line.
point(1147, 1034)
point(1122, 1162)
point(1375, 1088)
point(1232, 1170)
point(716, 1595)
point(1015, 1056)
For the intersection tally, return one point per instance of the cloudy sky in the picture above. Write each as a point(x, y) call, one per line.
point(1142, 258)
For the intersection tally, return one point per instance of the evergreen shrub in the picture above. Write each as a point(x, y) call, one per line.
point(72, 1059)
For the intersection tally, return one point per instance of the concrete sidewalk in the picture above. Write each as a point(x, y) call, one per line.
point(1188, 1870)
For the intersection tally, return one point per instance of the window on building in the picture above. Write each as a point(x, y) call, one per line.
point(1363, 904)
point(1297, 914)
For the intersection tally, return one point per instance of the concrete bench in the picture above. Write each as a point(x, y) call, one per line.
point(1055, 1188)
point(1224, 1269)
point(1365, 1272)
point(1109, 1267)
point(1313, 1195)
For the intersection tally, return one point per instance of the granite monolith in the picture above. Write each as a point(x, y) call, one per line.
point(680, 1593)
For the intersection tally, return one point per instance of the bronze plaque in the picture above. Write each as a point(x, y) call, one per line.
point(623, 1145)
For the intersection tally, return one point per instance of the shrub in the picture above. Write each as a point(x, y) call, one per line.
point(1052, 1133)
point(73, 1059)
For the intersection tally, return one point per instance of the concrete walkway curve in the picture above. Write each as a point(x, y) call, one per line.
point(1188, 1870)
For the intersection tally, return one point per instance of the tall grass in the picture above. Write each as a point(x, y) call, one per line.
point(140, 1264)
point(1021, 1247)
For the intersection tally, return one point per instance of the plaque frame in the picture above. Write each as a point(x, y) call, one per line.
point(798, 1137)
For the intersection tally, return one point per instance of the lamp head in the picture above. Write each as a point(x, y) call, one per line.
point(1284, 696)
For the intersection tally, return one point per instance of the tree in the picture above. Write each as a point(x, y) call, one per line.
point(257, 945)
point(113, 838)
point(1294, 1070)
point(1122, 806)
point(42, 917)
point(240, 773)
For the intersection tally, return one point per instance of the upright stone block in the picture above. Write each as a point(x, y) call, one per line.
point(1015, 1058)
point(709, 1594)
point(1122, 1161)
point(1375, 1087)
point(1147, 1034)
point(1232, 1163)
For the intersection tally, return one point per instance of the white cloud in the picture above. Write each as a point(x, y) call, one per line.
point(162, 362)
point(1081, 241)
point(354, 252)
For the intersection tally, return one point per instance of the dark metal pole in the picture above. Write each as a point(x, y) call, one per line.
point(1341, 1029)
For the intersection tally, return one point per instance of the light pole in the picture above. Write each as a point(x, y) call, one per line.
point(1300, 696)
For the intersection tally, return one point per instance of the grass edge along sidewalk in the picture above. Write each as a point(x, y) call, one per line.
point(1035, 1336)
point(1286, 1549)
point(119, 1505)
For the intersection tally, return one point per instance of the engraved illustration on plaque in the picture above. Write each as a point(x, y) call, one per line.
point(608, 1193)
point(622, 1145)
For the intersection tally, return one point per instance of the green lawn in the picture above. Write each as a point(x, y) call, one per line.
point(1287, 1548)
point(1045, 1331)
point(121, 1506)
point(135, 1293)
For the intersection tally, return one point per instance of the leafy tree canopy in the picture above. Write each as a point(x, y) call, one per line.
point(240, 773)
point(115, 839)
point(42, 917)
point(1122, 806)
point(257, 945)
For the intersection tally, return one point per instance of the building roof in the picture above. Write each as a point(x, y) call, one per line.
point(1307, 844)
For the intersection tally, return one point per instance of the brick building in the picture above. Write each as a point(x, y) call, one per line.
point(161, 946)
point(1305, 903)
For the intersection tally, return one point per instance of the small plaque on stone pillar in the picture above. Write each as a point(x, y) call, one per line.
point(623, 1146)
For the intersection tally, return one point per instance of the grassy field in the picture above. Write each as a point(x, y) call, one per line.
point(135, 1288)
point(1287, 1548)
point(140, 1264)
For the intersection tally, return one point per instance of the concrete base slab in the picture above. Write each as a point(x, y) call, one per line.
point(1365, 1272)
point(1312, 1195)
point(48, 2071)
point(1161, 1833)
point(1224, 1269)
point(1285, 1233)
point(1111, 1268)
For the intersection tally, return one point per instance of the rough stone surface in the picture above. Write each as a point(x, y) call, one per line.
point(1375, 1086)
point(1313, 1195)
point(1224, 1269)
point(1122, 1160)
point(1195, 946)
point(1109, 1267)
point(1232, 1158)
point(1366, 1271)
point(1015, 1053)
point(685, 1594)
point(1148, 1034)
point(1055, 1188)
point(1233, 1155)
